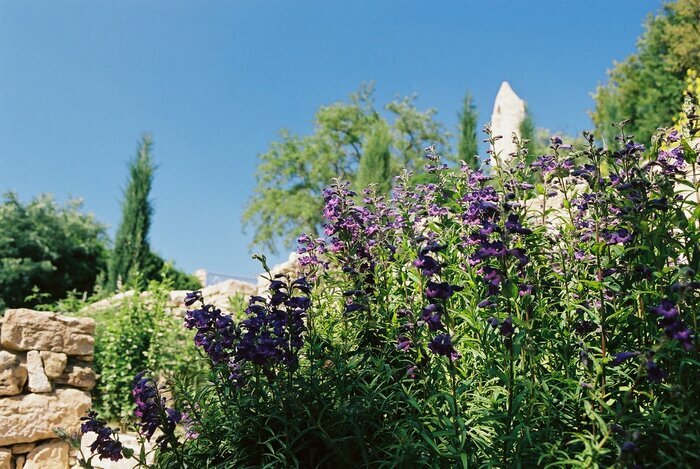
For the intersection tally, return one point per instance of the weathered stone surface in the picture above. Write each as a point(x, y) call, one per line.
point(52, 455)
point(19, 462)
point(78, 374)
point(85, 358)
point(32, 417)
point(508, 114)
point(54, 363)
point(25, 329)
point(12, 374)
point(5, 458)
point(22, 448)
point(38, 381)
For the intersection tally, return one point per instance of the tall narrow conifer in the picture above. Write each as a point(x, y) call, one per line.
point(131, 245)
point(375, 164)
point(467, 147)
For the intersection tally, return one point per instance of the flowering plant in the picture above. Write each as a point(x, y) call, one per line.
point(536, 314)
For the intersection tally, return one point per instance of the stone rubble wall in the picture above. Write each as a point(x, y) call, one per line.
point(217, 294)
point(46, 376)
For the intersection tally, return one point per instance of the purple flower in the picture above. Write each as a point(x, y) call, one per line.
point(506, 327)
point(520, 255)
point(441, 344)
point(495, 249)
point(513, 225)
point(525, 290)
point(152, 412)
point(667, 309)
point(403, 343)
point(431, 317)
point(411, 371)
point(192, 298)
point(442, 290)
point(623, 357)
point(629, 447)
point(428, 265)
point(654, 373)
point(105, 445)
point(620, 236)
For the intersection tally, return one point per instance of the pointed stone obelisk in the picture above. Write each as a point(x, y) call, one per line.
point(508, 114)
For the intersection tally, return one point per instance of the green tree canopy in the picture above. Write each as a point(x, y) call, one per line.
point(47, 248)
point(467, 146)
point(375, 164)
point(647, 87)
point(131, 243)
point(293, 173)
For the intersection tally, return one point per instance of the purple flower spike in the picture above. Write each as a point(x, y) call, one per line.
point(151, 411)
point(105, 445)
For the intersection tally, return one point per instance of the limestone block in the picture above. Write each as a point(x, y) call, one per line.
point(22, 448)
point(12, 374)
point(25, 329)
point(508, 114)
point(31, 417)
point(51, 455)
point(54, 363)
point(19, 462)
point(79, 375)
point(38, 381)
point(5, 458)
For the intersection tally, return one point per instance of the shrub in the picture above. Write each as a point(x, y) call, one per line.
point(47, 248)
point(478, 321)
point(140, 333)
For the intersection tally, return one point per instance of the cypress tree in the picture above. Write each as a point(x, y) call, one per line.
point(131, 247)
point(375, 163)
point(467, 147)
point(527, 132)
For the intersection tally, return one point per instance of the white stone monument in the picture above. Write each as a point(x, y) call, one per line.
point(508, 115)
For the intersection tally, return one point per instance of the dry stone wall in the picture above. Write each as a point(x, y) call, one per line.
point(46, 376)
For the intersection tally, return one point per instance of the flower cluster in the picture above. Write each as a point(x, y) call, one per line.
point(673, 325)
point(106, 444)
point(216, 332)
point(152, 412)
point(273, 331)
point(271, 334)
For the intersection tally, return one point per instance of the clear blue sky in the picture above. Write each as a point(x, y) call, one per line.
point(215, 81)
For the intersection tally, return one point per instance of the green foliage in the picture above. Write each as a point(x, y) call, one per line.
point(550, 391)
point(375, 164)
point(141, 332)
point(131, 248)
point(528, 135)
point(467, 147)
point(47, 250)
point(132, 253)
point(647, 87)
point(155, 268)
point(470, 322)
point(293, 173)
